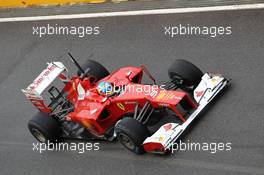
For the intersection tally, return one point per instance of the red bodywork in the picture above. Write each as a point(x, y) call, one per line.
point(98, 113)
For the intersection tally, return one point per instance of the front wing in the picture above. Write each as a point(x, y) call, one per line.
point(167, 134)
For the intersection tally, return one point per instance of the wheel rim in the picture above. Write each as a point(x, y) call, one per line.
point(127, 142)
point(38, 135)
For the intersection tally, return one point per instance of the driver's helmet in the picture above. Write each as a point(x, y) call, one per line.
point(105, 88)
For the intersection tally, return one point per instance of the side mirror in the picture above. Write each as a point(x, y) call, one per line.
point(83, 75)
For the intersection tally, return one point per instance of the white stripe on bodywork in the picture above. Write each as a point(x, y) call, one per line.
point(81, 92)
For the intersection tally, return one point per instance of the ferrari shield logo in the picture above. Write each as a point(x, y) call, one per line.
point(121, 106)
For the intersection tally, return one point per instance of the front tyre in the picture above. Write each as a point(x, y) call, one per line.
point(185, 71)
point(44, 128)
point(131, 134)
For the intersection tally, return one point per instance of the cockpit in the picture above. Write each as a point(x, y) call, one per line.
point(105, 88)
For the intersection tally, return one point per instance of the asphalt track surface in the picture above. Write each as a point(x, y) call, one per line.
point(236, 116)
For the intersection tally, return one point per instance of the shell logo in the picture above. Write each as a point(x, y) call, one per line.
point(214, 80)
point(86, 124)
point(161, 139)
point(73, 86)
point(161, 95)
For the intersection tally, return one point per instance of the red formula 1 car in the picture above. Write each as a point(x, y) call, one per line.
point(144, 117)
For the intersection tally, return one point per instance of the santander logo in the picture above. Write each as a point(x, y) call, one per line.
point(199, 93)
point(167, 126)
point(42, 76)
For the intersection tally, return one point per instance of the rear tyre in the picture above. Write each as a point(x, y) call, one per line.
point(44, 128)
point(97, 70)
point(131, 134)
point(188, 73)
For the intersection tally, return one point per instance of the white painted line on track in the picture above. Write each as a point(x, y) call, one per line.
point(135, 13)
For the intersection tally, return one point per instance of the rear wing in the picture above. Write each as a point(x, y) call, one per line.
point(41, 83)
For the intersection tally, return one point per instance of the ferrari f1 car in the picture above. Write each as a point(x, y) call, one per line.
point(143, 117)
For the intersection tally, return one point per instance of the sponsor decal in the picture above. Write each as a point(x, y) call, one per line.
point(86, 124)
point(153, 94)
point(214, 80)
point(73, 86)
point(161, 139)
point(161, 95)
point(164, 104)
point(121, 106)
point(41, 77)
point(167, 126)
point(199, 93)
point(166, 96)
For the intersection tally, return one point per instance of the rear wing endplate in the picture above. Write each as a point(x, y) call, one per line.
point(41, 83)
